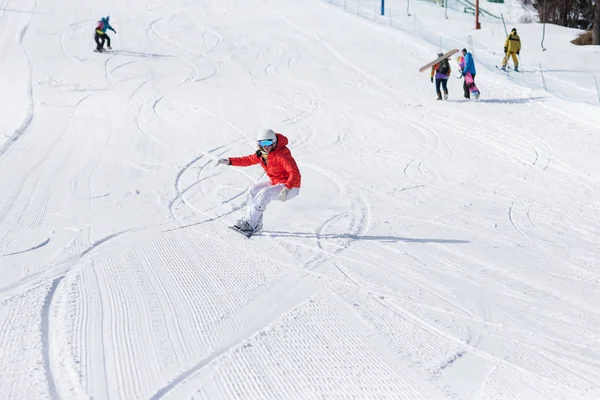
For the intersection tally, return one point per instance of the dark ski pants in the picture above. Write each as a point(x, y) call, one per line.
point(100, 38)
point(466, 88)
point(444, 83)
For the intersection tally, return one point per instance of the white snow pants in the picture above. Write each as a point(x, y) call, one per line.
point(259, 196)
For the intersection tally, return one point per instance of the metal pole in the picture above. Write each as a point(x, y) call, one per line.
point(597, 89)
point(471, 45)
point(544, 23)
point(382, 7)
point(407, 8)
point(543, 79)
point(446, 11)
point(477, 24)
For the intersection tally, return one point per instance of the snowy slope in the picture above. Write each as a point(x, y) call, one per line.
point(548, 59)
point(437, 250)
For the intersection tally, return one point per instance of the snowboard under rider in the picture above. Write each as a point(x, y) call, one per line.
point(284, 177)
point(512, 48)
point(441, 71)
point(100, 35)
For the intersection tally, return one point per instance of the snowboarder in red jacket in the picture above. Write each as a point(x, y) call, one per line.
point(284, 177)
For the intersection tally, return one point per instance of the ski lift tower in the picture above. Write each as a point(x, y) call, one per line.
point(477, 24)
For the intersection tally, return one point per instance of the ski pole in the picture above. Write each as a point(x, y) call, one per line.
point(543, 79)
point(597, 90)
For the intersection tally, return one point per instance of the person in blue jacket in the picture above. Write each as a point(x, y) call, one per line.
point(469, 67)
point(100, 35)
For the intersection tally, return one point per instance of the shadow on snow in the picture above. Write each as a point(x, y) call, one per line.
point(514, 101)
point(502, 101)
point(140, 54)
point(571, 71)
point(359, 237)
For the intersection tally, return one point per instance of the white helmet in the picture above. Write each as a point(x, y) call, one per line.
point(267, 134)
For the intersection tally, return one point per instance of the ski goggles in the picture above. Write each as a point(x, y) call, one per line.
point(266, 142)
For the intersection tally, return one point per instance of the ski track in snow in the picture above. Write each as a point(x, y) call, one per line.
point(422, 260)
point(45, 327)
point(28, 120)
point(45, 242)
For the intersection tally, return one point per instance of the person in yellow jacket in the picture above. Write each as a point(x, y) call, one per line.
point(512, 47)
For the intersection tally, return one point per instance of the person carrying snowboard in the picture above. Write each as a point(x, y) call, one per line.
point(468, 79)
point(100, 35)
point(512, 47)
point(469, 68)
point(441, 71)
point(284, 178)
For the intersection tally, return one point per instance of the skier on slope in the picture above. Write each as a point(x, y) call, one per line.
point(284, 177)
point(468, 68)
point(441, 71)
point(512, 47)
point(100, 34)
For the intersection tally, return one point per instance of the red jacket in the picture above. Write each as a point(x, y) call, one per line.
point(280, 166)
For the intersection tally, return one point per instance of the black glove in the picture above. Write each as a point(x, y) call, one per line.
point(432, 79)
point(505, 50)
point(517, 53)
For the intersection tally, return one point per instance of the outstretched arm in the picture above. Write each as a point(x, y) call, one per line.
point(244, 161)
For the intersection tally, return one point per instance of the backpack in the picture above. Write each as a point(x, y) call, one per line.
point(444, 67)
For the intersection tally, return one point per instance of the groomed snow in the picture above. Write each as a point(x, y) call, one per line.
point(437, 250)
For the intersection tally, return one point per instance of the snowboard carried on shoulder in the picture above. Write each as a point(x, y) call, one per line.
point(437, 60)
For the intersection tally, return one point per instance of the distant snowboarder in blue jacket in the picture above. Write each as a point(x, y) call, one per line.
point(100, 35)
point(469, 67)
